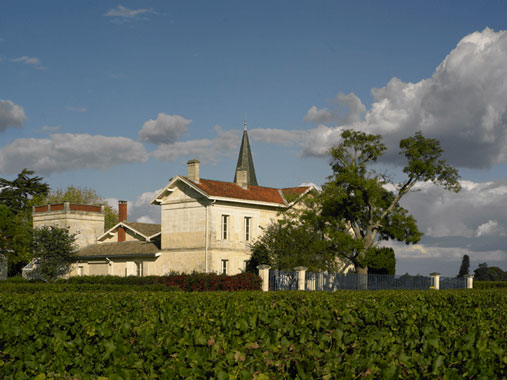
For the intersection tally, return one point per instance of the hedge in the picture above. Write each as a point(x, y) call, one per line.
point(187, 282)
point(490, 284)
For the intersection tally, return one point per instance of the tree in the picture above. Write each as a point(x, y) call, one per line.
point(16, 200)
point(288, 243)
point(486, 273)
point(83, 195)
point(381, 261)
point(54, 251)
point(464, 269)
point(359, 207)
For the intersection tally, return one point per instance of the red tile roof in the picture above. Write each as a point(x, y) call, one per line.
point(252, 193)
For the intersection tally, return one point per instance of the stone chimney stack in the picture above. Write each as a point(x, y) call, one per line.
point(122, 216)
point(242, 178)
point(193, 170)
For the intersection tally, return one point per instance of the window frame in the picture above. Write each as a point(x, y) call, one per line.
point(248, 228)
point(225, 227)
point(224, 266)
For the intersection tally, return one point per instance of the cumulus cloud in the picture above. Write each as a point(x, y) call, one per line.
point(318, 140)
point(345, 109)
point(124, 14)
point(33, 61)
point(68, 151)
point(316, 115)
point(11, 115)
point(165, 129)
point(204, 149)
point(490, 228)
point(463, 104)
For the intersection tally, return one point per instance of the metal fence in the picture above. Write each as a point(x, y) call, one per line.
point(337, 281)
point(283, 280)
point(288, 280)
point(453, 283)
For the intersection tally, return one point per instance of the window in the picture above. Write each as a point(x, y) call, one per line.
point(245, 264)
point(225, 226)
point(139, 269)
point(248, 228)
point(224, 266)
point(80, 270)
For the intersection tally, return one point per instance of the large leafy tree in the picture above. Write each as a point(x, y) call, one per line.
point(54, 251)
point(16, 200)
point(289, 243)
point(83, 195)
point(360, 207)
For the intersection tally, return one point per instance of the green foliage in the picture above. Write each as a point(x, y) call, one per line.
point(357, 208)
point(486, 273)
point(16, 200)
point(490, 284)
point(380, 261)
point(54, 251)
point(288, 243)
point(83, 195)
point(253, 335)
point(464, 269)
point(17, 194)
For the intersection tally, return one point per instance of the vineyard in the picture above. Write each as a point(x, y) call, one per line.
point(144, 334)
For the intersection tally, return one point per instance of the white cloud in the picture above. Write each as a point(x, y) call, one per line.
point(124, 14)
point(145, 219)
point(50, 129)
point(33, 61)
point(68, 151)
point(463, 104)
point(204, 149)
point(345, 109)
point(140, 209)
point(165, 129)
point(490, 228)
point(318, 140)
point(276, 136)
point(11, 115)
point(315, 115)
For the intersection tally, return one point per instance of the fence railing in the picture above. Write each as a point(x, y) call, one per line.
point(300, 279)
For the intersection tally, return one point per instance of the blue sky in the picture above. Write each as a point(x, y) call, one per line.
point(117, 96)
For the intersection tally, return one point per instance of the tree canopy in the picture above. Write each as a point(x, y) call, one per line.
point(54, 251)
point(16, 200)
point(360, 207)
point(357, 207)
point(83, 195)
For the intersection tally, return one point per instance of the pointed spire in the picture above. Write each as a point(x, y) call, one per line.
point(245, 160)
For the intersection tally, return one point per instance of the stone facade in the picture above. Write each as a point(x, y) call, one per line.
point(87, 222)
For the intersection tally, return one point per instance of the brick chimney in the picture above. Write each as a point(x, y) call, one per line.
point(193, 170)
point(122, 216)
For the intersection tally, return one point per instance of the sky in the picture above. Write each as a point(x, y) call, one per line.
point(118, 96)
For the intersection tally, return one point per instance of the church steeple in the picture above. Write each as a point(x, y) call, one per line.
point(245, 166)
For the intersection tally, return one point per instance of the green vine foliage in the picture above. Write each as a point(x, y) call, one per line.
point(254, 335)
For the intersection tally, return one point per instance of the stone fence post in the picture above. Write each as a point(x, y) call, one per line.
point(435, 280)
point(301, 273)
point(264, 275)
point(470, 281)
